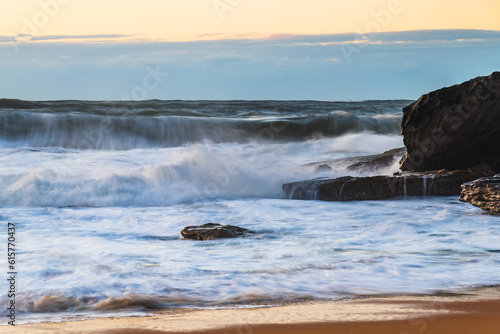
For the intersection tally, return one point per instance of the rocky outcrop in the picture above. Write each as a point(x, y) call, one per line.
point(455, 127)
point(453, 132)
point(348, 188)
point(483, 193)
point(213, 231)
point(375, 163)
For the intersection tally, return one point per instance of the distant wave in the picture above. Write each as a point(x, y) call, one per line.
point(90, 131)
point(17, 104)
point(227, 108)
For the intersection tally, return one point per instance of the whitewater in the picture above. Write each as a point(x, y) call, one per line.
point(99, 192)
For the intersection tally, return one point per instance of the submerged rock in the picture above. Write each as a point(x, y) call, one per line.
point(348, 188)
point(364, 164)
point(323, 168)
point(214, 231)
point(374, 163)
point(455, 127)
point(483, 193)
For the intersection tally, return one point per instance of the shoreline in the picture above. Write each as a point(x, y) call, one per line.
point(468, 311)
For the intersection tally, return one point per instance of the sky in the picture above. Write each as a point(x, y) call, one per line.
point(242, 49)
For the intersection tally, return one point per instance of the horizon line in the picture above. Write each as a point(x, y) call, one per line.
point(250, 36)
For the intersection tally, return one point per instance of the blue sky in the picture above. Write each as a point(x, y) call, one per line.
point(387, 65)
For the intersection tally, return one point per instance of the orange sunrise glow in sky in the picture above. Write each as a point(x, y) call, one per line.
point(173, 20)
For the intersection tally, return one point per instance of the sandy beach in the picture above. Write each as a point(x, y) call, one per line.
point(476, 311)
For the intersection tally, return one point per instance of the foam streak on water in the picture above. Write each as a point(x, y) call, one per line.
point(91, 259)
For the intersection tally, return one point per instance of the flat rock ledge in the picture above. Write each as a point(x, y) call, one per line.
point(483, 193)
point(212, 231)
point(348, 188)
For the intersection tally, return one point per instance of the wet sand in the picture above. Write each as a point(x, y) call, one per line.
point(469, 312)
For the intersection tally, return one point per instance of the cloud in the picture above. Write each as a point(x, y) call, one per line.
point(7, 39)
point(58, 37)
point(453, 35)
point(121, 60)
point(228, 36)
point(399, 37)
point(221, 57)
point(386, 65)
point(25, 38)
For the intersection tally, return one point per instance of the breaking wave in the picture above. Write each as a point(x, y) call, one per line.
point(81, 131)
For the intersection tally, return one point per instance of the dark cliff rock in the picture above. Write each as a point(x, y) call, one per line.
point(213, 231)
point(483, 193)
point(454, 127)
point(348, 188)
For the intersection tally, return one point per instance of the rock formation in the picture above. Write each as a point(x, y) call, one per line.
point(213, 231)
point(483, 193)
point(451, 137)
point(375, 163)
point(454, 127)
point(348, 188)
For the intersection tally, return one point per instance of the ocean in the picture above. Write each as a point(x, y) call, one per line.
point(99, 192)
